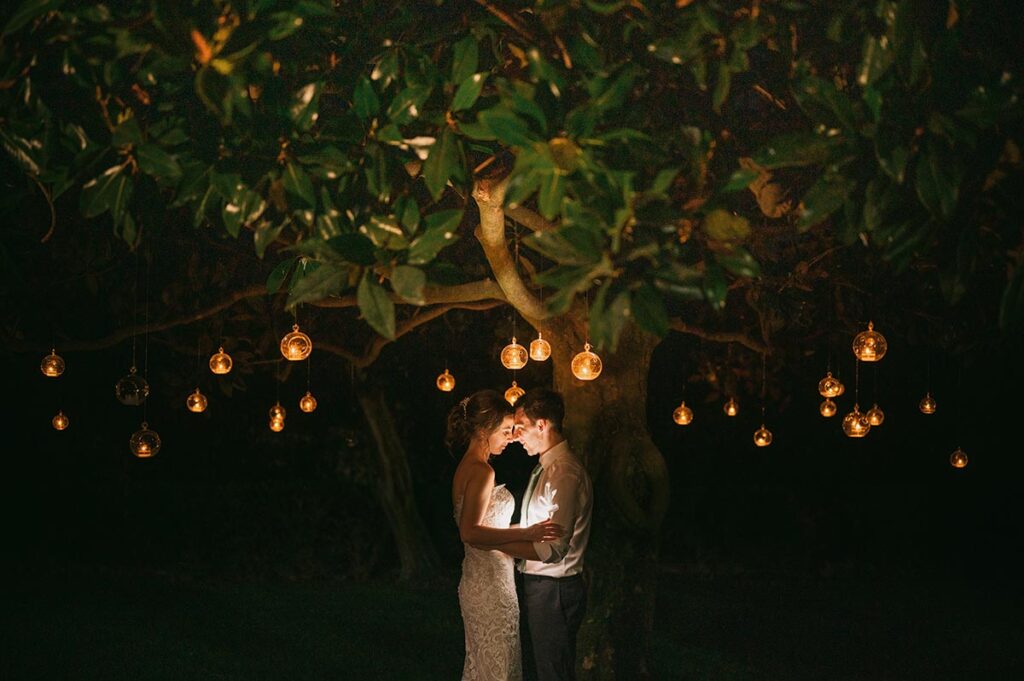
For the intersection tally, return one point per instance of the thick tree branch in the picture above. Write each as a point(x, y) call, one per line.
point(254, 291)
point(719, 336)
point(530, 219)
point(474, 291)
point(490, 197)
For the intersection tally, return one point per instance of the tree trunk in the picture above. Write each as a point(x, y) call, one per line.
point(606, 425)
point(416, 553)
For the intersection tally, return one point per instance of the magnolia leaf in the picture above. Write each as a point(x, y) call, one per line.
point(376, 306)
point(408, 283)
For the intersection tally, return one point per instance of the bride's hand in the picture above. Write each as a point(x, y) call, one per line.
point(548, 530)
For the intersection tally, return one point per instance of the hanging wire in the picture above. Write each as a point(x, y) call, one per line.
point(135, 308)
point(856, 381)
point(764, 368)
point(145, 368)
point(309, 379)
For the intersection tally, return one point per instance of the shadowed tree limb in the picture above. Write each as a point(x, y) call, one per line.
point(530, 219)
point(719, 336)
point(474, 291)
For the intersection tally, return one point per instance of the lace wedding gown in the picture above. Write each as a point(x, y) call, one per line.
point(490, 609)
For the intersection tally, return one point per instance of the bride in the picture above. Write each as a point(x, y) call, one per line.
point(482, 423)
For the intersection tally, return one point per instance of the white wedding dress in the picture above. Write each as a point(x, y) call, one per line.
point(487, 596)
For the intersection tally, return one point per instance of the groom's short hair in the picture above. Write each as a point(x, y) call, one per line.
point(542, 403)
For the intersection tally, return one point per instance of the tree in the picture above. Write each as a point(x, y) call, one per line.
point(628, 169)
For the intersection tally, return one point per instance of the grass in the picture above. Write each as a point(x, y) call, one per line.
point(146, 627)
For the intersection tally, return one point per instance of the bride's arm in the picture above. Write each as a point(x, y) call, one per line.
point(474, 506)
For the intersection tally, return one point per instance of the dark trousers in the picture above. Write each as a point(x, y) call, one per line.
point(554, 613)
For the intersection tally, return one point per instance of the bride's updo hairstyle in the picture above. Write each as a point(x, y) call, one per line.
point(484, 411)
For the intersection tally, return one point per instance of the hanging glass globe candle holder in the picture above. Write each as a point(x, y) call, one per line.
point(514, 393)
point(144, 443)
point(683, 415)
point(927, 404)
point(277, 412)
point(60, 421)
point(514, 356)
point(731, 407)
point(52, 365)
point(132, 389)
point(445, 382)
point(196, 402)
point(856, 424)
point(958, 459)
point(307, 403)
point(220, 362)
point(277, 425)
point(869, 346)
point(296, 345)
point(827, 408)
point(762, 436)
point(830, 386)
point(875, 415)
point(540, 349)
point(586, 365)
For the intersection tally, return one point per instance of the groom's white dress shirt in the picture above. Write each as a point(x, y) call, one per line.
point(560, 479)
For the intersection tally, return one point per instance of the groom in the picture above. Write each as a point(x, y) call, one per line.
point(559, 488)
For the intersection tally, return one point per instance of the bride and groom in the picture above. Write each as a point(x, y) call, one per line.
point(549, 540)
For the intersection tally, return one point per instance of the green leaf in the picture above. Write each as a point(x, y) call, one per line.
point(740, 262)
point(406, 105)
point(127, 133)
point(796, 149)
point(722, 84)
point(569, 245)
point(366, 102)
point(440, 232)
point(465, 60)
point(740, 180)
point(441, 163)
point(876, 57)
point(937, 181)
point(355, 248)
point(716, 288)
point(376, 306)
point(28, 11)
point(507, 127)
point(110, 191)
point(722, 225)
point(552, 189)
point(892, 151)
point(298, 184)
point(649, 310)
point(408, 283)
point(568, 280)
point(156, 162)
point(264, 235)
point(315, 281)
point(305, 105)
point(824, 197)
point(278, 274)
point(241, 209)
point(469, 90)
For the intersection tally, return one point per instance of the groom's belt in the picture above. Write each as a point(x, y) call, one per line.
point(539, 578)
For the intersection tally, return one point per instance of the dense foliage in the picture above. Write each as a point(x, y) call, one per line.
point(676, 151)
